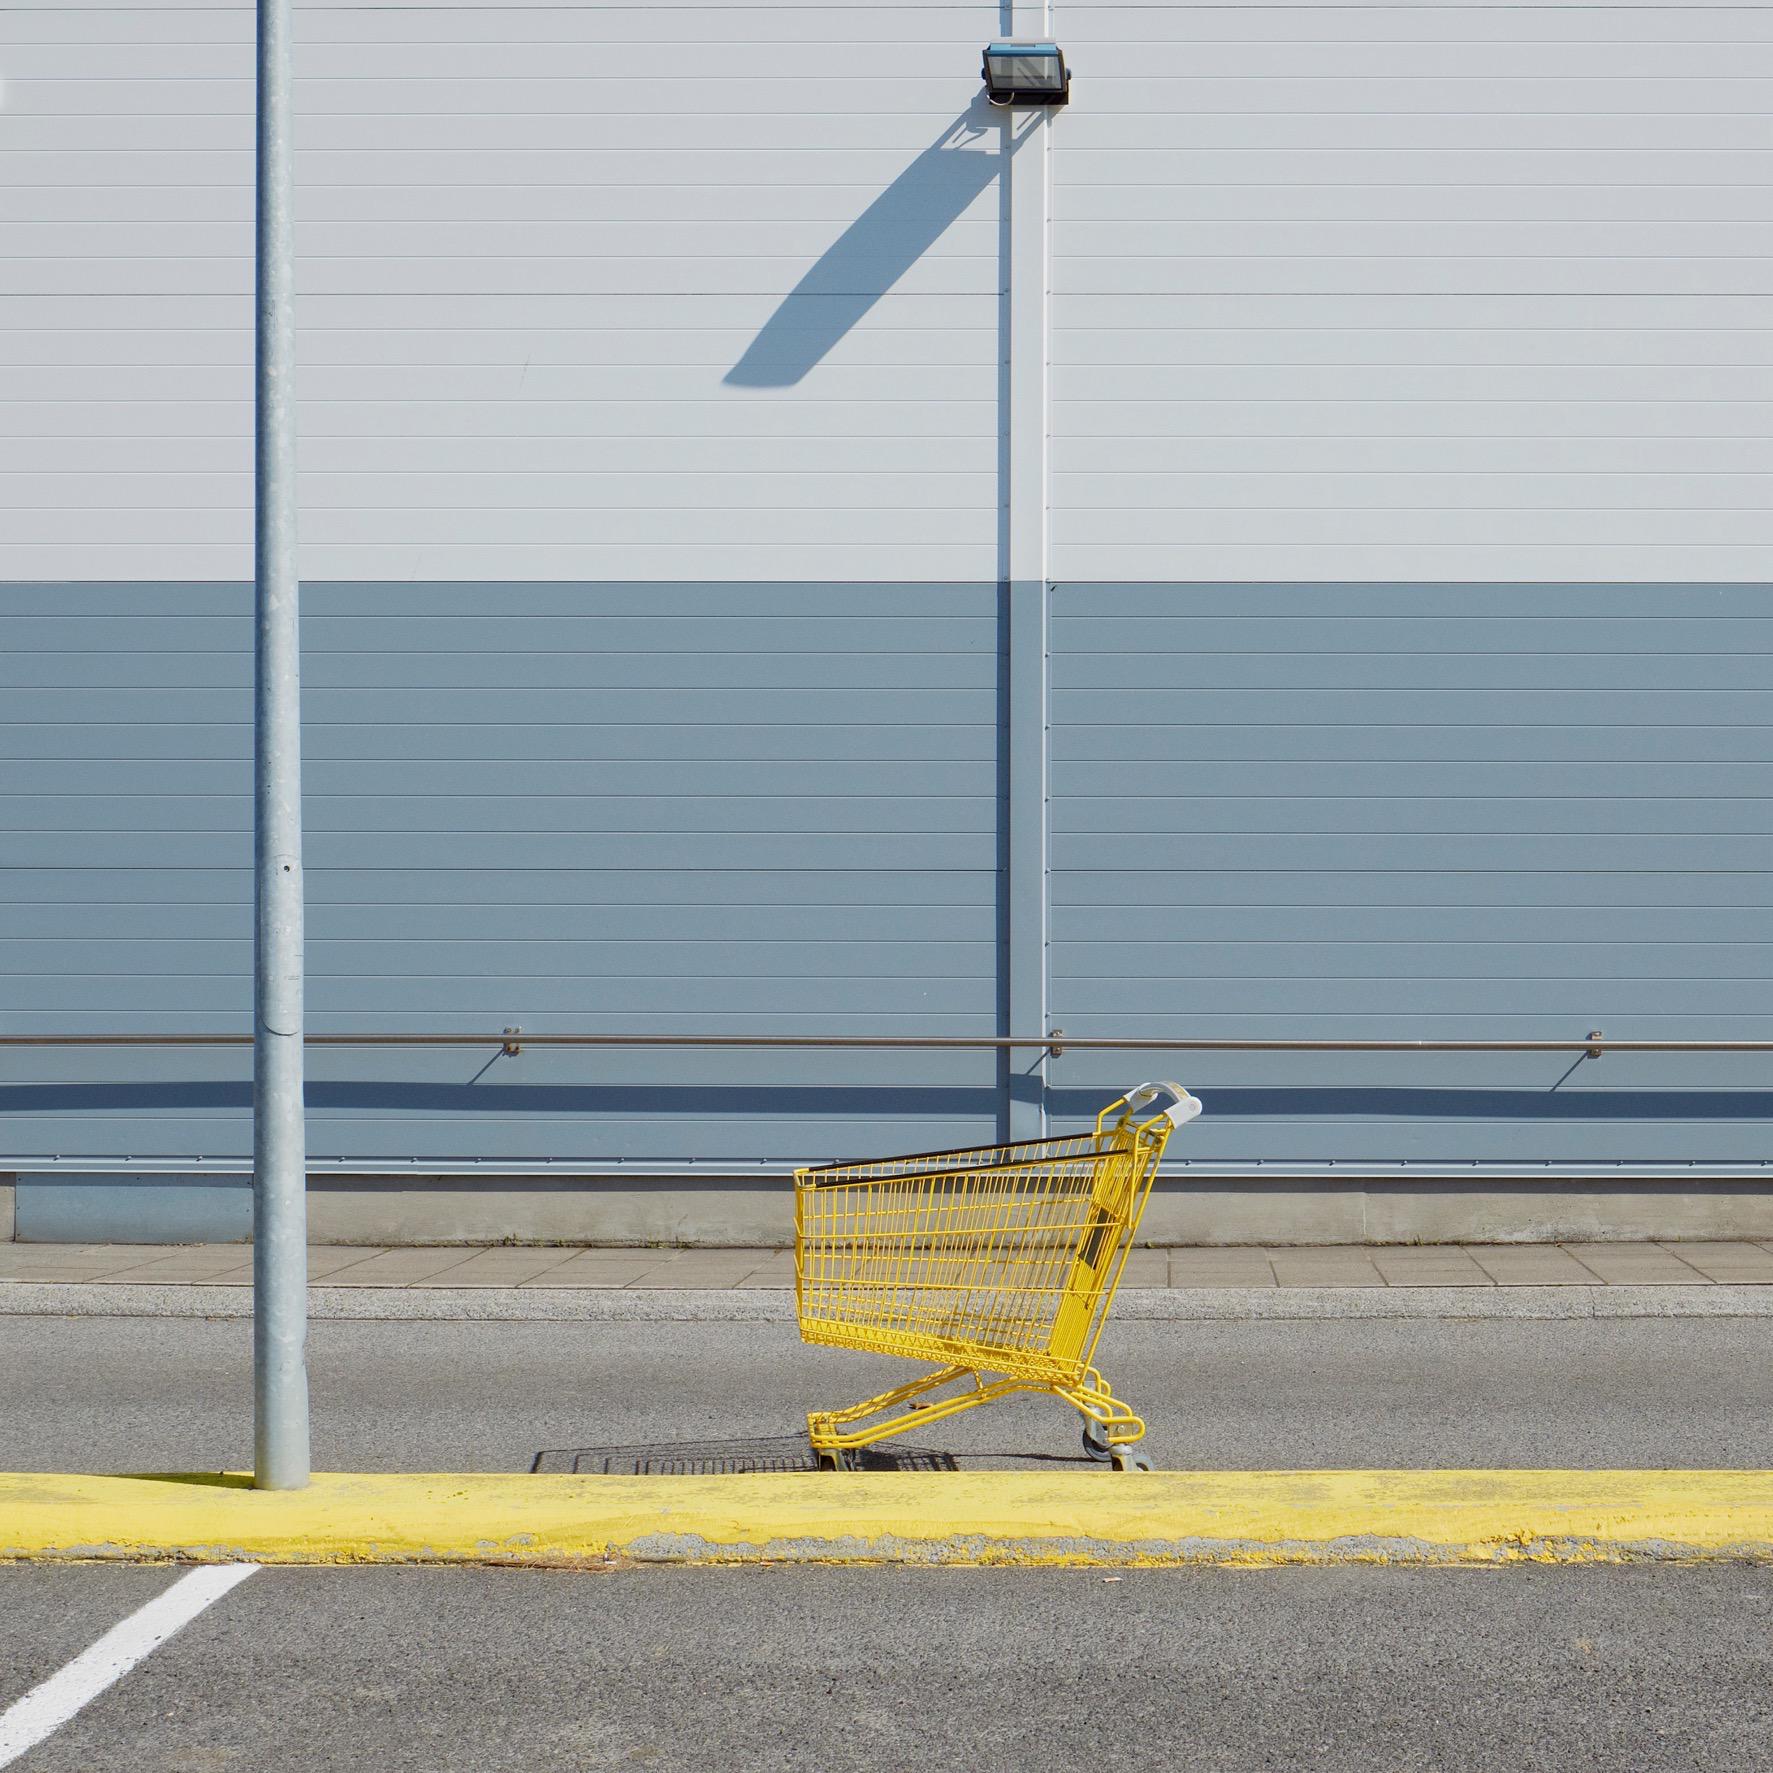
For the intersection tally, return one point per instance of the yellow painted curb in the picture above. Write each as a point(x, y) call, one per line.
point(980, 1517)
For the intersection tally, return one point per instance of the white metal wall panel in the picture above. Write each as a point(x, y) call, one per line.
point(1442, 292)
point(590, 292)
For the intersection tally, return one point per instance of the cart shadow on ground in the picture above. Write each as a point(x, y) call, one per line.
point(785, 1452)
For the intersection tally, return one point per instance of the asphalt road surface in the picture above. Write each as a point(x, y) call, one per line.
point(119, 1394)
point(499, 1671)
point(503, 1671)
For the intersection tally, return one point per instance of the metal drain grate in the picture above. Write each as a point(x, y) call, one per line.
point(785, 1452)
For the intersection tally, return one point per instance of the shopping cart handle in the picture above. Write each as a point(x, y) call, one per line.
point(1184, 1109)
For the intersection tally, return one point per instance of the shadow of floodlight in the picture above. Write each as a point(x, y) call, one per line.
point(874, 252)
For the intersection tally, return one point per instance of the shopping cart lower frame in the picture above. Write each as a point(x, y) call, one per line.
point(999, 1264)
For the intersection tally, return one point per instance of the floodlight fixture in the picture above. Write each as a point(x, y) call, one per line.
point(1026, 74)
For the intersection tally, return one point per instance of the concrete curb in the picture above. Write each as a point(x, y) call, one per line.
point(1247, 1518)
point(776, 1305)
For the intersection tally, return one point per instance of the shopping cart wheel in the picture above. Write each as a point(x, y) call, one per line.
point(835, 1458)
point(1130, 1459)
point(1093, 1443)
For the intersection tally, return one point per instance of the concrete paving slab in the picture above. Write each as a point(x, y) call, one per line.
point(777, 1272)
point(1434, 1254)
point(1221, 1268)
point(589, 1271)
point(705, 1268)
point(1329, 1266)
point(1433, 1275)
point(401, 1268)
point(565, 1279)
point(1531, 1265)
point(75, 1261)
point(191, 1266)
point(419, 1266)
point(1635, 1264)
point(327, 1259)
point(1727, 1262)
point(635, 1261)
point(499, 1268)
point(1429, 1268)
point(633, 1255)
point(1437, 1277)
point(612, 1299)
point(321, 1266)
point(1146, 1268)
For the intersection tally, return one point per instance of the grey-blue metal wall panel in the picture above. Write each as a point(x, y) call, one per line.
point(163, 1209)
point(1414, 812)
point(740, 808)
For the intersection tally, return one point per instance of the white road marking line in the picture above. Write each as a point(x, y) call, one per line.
point(51, 1703)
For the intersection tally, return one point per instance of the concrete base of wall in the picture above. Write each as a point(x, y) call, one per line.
point(759, 1210)
point(742, 1211)
point(72, 1209)
point(1453, 1210)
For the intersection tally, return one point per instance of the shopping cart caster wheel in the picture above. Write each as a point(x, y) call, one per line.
point(835, 1458)
point(1130, 1459)
point(1093, 1444)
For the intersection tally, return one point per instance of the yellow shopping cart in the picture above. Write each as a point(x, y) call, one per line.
point(1002, 1260)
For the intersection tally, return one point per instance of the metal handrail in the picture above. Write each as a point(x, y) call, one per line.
point(512, 1040)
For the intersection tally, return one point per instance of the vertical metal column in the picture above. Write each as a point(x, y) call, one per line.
point(279, 1145)
point(1027, 137)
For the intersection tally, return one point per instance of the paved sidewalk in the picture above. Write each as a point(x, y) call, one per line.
point(718, 1270)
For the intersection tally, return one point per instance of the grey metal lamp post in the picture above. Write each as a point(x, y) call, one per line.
point(1028, 78)
point(279, 1145)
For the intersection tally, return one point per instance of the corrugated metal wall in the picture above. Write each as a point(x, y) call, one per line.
point(1497, 812)
point(1425, 293)
point(585, 292)
point(1411, 425)
point(1443, 310)
point(640, 808)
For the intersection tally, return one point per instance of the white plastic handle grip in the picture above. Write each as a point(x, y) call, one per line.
point(1184, 1109)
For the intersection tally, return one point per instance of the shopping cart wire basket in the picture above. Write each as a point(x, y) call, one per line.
point(1003, 1260)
